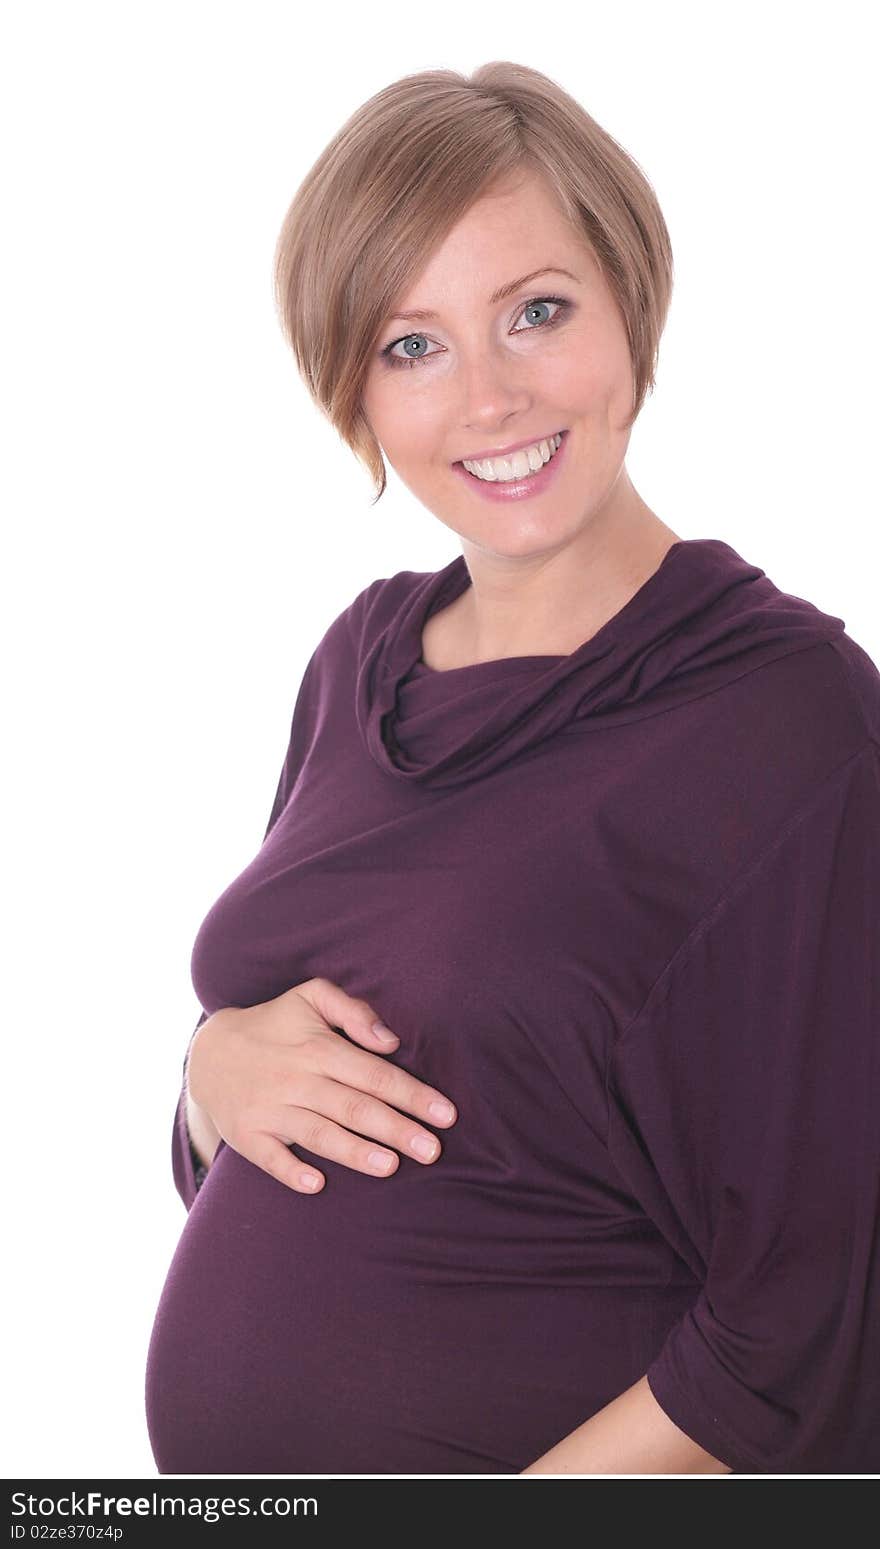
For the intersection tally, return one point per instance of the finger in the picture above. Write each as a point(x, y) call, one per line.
point(363, 1115)
point(325, 1138)
point(272, 1155)
point(355, 1016)
point(354, 1067)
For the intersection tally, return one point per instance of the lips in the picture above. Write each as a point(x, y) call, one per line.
point(508, 451)
point(530, 487)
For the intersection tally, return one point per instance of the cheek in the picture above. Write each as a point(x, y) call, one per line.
point(594, 370)
point(413, 431)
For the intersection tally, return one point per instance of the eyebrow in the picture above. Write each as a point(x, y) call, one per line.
point(422, 315)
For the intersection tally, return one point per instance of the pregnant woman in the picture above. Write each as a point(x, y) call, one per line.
point(590, 818)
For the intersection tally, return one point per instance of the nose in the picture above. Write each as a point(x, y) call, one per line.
point(492, 391)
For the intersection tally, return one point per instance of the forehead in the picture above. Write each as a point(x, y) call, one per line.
point(506, 289)
point(508, 238)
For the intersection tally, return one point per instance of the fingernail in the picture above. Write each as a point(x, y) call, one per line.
point(425, 1147)
point(439, 1110)
point(383, 1033)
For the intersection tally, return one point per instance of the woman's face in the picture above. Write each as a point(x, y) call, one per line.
point(483, 375)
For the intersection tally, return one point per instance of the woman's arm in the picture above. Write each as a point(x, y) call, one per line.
point(632, 1435)
point(203, 1132)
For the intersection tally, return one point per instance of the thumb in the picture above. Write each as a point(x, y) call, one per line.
point(350, 1013)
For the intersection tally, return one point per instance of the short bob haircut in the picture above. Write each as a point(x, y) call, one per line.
point(397, 177)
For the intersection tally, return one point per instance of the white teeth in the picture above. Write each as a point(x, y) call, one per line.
point(529, 459)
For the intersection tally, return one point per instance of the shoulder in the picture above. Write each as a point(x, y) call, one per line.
point(377, 605)
point(861, 678)
point(386, 593)
point(728, 772)
point(817, 689)
point(369, 611)
point(784, 728)
point(811, 710)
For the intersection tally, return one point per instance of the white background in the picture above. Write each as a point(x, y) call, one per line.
point(181, 525)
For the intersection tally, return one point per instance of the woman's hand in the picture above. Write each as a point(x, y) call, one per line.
point(278, 1073)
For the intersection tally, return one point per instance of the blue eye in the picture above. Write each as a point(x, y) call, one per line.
point(409, 360)
point(559, 302)
point(532, 306)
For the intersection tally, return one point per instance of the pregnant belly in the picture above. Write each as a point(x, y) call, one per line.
point(420, 1324)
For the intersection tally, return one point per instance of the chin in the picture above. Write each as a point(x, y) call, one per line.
point(526, 540)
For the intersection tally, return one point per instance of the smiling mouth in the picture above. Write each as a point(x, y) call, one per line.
point(502, 456)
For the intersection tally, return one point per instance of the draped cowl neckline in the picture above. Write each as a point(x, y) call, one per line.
point(704, 616)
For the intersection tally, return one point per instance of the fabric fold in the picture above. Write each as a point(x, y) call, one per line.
point(704, 615)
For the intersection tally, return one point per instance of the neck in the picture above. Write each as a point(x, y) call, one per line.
point(549, 604)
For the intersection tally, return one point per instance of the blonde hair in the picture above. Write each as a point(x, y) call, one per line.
point(400, 173)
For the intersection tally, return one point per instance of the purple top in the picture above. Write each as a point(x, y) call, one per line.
point(623, 907)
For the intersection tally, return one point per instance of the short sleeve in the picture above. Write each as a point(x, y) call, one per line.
point(188, 1170)
point(744, 1111)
